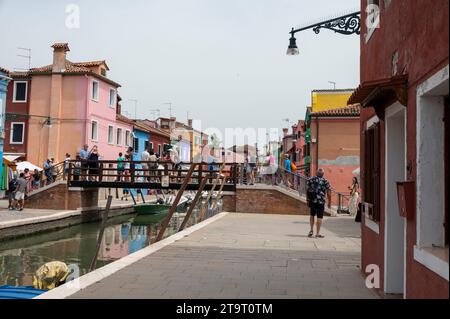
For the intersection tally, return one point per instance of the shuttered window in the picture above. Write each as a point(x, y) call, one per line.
point(372, 171)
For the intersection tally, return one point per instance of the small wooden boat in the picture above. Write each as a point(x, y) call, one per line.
point(23, 292)
point(151, 213)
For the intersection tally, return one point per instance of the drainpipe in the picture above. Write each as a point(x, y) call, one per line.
point(317, 143)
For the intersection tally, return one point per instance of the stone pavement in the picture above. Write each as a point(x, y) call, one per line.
point(247, 256)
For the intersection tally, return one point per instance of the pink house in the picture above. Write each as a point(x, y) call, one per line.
point(72, 104)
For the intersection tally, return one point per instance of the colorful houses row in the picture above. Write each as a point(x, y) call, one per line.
point(405, 143)
point(327, 138)
point(56, 109)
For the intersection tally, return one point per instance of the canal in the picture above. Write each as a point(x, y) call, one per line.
point(76, 245)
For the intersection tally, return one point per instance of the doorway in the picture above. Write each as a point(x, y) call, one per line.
point(394, 225)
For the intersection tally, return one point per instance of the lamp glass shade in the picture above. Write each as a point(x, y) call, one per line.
point(292, 49)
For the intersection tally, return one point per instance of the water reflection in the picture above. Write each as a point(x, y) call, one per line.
point(21, 257)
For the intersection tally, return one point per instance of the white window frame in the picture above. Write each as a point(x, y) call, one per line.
point(127, 138)
point(14, 92)
point(110, 129)
point(429, 94)
point(119, 143)
point(96, 99)
point(150, 144)
point(113, 105)
point(92, 131)
point(12, 133)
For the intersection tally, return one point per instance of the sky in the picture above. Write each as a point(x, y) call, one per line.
point(223, 61)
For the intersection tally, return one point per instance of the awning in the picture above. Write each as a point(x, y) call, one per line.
point(22, 165)
point(380, 92)
point(11, 158)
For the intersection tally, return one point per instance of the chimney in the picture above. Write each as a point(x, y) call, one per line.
point(118, 109)
point(285, 132)
point(59, 56)
point(190, 123)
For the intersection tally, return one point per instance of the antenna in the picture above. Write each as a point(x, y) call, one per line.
point(170, 108)
point(28, 56)
point(334, 84)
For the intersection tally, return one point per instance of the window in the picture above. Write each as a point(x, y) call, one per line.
point(127, 138)
point(136, 144)
point(159, 149)
point(94, 131)
point(110, 134)
point(20, 91)
point(112, 97)
point(147, 145)
point(17, 133)
point(95, 90)
point(166, 147)
point(372, 171)
point(119, 136)
point(103, 71)
point(151, 147)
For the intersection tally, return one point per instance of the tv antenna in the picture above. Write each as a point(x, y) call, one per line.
point(27, 56)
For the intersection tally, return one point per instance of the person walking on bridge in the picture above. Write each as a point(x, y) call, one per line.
point(84, 155)
point(318, 186)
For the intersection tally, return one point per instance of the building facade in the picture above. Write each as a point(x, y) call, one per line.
point(405, 138)
point(4, 80)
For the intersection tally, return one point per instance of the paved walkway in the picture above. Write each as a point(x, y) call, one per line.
point(247, 256)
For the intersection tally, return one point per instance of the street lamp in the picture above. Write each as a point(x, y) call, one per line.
point(346, 24)
point(292, 48)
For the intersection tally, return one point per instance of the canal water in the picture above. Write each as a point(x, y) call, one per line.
point(76, 245)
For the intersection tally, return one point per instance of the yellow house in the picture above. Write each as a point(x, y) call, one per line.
point(325, 100)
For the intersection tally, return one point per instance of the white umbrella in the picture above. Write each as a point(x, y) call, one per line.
point(357, 171)
point(22, 165)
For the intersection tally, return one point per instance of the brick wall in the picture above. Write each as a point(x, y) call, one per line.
point(269, 201)
point(61, 198)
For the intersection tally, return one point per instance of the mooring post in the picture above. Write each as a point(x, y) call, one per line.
point(172, 209)
point(100, 234)
point(194, 203)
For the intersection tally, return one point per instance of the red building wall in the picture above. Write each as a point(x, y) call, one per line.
point(419, 31)
point(18, 108)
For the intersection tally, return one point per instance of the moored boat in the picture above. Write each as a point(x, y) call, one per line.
point(23, 292)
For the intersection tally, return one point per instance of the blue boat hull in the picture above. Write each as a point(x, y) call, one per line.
point(11, 292)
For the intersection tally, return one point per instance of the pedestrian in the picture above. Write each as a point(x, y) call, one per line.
point(354, 197)
point(53, 169)
point(93, 163)
point(272, 167)
point(84, 155)
point(77, 168)
point(36, 179)
point(28, 179)
point(20, 192)
point(153, 160)
point(120, 166)
point(145, 158)
point(252, 164)
point(288, 170)
point(318, 186)
point(66, 166)
point(12, 191)
point(47, 171)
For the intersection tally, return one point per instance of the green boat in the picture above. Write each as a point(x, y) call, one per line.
point(151, 213)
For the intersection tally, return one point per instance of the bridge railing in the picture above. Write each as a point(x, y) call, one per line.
point(130, 172)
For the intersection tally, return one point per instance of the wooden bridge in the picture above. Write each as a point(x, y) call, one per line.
point(141, 175)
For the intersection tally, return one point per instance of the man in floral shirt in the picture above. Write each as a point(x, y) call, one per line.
point(318, 186)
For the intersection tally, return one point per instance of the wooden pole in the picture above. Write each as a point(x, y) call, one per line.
point(220, 193)
point(202, 211)
point(175, 203)
point(194, 203)
point(100, 234)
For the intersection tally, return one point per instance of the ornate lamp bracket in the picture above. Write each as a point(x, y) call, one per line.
point(347, 24)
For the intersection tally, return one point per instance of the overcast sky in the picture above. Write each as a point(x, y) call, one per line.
point(224, 61)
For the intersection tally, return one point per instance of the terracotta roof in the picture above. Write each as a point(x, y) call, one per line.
point(122, 118)
point(19, 74)
point(371, 92)
point(90, 64)
point(4, 70)
point(351, 110)
point(147, 128)
point(64, 46)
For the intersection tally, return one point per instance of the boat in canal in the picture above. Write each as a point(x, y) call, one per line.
point(24, 292)
point(151, 213)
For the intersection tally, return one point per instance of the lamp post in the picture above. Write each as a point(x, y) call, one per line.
point(347, 24)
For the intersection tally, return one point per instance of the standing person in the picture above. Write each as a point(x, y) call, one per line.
point(127, 167)
point(271, 170)
point(28, 178)
point(77, 168)
point(93, 163)
point(12, 185)
point(84, 155)
point(318, 186)
point(53, 169)
point(120, 166)
point(354, 196)
point(145, 158)
point(20, 192)
point(153, 164)
point(288, 170)
point(66, 166)
point(47, 171)
point(252, 163)
point(36, 179)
